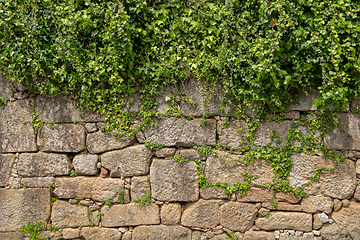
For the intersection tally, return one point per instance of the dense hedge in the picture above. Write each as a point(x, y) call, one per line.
point(102, 52)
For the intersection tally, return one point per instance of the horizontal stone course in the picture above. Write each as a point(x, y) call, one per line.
point(286, 221)
point(161, 233)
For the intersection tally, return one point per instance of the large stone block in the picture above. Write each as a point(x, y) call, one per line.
point(161, 233)
point(43, 165)
point(38, 182)
point(98, 142)
point(181, 132)
point(65, 215)
point(86, 164)
point(98, 189)
point(6, 163)
point(230, 136)
point(171, 213)
point(313, 204)
point(130, 215)
point(18, 207)
point(349, 219)
point(286, 221)
point(256, 195)
point(339, 184)
point(347, 136)
point(16, 132)
point(100, 233)
point(62, 138)
point(11, 236)
point(131, 161)
point(201, 214)
point(139, 187)
point(259, 235)
point(171, 181)
point(236, 216)
point(61, 109)
point(6, 90)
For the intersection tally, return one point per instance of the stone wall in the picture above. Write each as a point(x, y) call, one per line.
point(71, 176)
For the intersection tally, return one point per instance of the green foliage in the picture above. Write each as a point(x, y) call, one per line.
point(274, 202)
point(153, 145)
point(33, 229)
point(99, 215)
point(53, 199)
point(267, 215)
point(232, 236)
point(53, 229)
point(146, 200)
point(108, 202)
point(122, 191)
point(179, 159)
point(205, 150)
point(2, 101)
point(72, 173)
point(91, 224)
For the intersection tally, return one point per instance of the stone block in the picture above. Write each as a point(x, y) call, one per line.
point(90, 127)
point(259, 235)
point(201, 214)
point(16, 132)
point(85, 164)
point(130, 215)
point(66, 215)
point(286, 221)
point(100, 233)
point(20, 206)
point(313, 204)
point(6, 163)
point(171, 181)
point(6, 91)
point(334, 232)
point(306, 101)
point(161, 233)
point(62, 138)
point(238, 216)
point(131, 161)
point(61, 109)
point(165, 152)
point(43, 164)
point(256, 195)
point(11, 236)
point(139, 187)
point(97, 189)
point(339, 184)
point(181, 132)
point(190, 154)
point(230, 136)
point(98, 142)
point(170, 214)
point(283, 206)
point(348, 219)
point(70, 233)
point(38, 182)
point(287, 197)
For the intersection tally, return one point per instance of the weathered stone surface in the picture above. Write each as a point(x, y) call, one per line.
point(190, 154)
point(98, 189)
point(317, 223)
point(256, 195)
point(355, 103)
point(98, 143)
point(358, 168)
point(313, 204)
point(131, 161)
point(181, 132)
point(16, 132)
point(161, 233)
point(349, 219)
point(65, 215)
point(334, 232)
point(286, 221)
point(201, 214)
point(220, 237)
point(127, 236)
point(100, 233)
point(305, 101)
point(6, 90)
point(85, 164)
point(21, 206)
point(212, 193)
point(165, 152)
point(171, 181)
point(11, 236)
point(61, 109)
point(338, 184)
point(90, 127)
point(338, 203)
point(237, 216)
point(263, 212)
point(38, 182)
point(292, 115)
point(170, 214)
point(283, 206)
point(231, 135)
point(43, 164)
point(6, 163)
point(356, 194)
point(287, 197)
point(130, 215)
point(346, 136)
point(259, 235)
point(70, 233)
point(139, 187)
point(62, 138)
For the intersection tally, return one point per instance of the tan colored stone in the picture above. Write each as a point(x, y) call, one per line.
point(357, 166)
point(131, 161)
point(190, 154)
point(70, 233)
point(286, 221)
point(97, 189)
point(171, 214)
point(16, 132)
point(220, 237)
point(18, 207)
point(317, 223)
point(11, 236)
point(238, 216)
point(171, 181)
point(292, 115)
point(127, 236)
point(349, 219)
point(313, 204)
point(165, 152)
point(259, 235)
point(201, 214)
point(65, 215)
point(283, 206)
point(98, 142)
point(338, 204)
point(100, 233)
point(263, 212)
point(38, 182)
point(230, 136)
point(181, 132)
point(287, 197)
point(43, 164)
point(6, 163)
point(338, 184)
point(139, 187)
point(50, 235)
point(161, 233)
point(357, 193)
point(130, 215)
point(85, 164)
point(334, 232)
point(91, 127)
point(103, 172)
point(256, 195)
point(62, 138)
